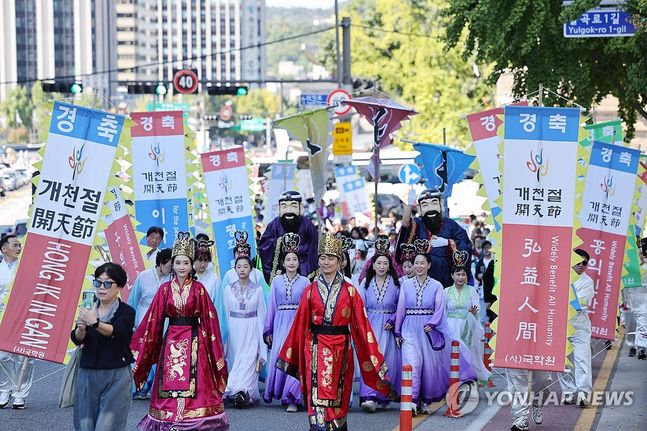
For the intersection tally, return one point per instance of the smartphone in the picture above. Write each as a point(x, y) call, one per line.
point(88, 299)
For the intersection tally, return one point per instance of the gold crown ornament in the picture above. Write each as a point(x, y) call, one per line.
point(382, 246)
point(347, 243)
point(422, 246)
point(290, 243)
point(461, 257)
point(184, 245)
point(330, 244)
point(242, 247)
point(203, 247)
point(408, 251)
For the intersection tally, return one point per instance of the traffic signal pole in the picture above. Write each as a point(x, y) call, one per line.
point(345, 25)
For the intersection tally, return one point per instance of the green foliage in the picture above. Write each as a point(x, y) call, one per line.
point(526, 37)
point(411, 64)
point(41, 112)
point(258, 103)
point(17, 102)
point(283, 22)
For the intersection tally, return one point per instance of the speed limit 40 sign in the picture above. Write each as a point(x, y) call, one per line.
point(185, 81)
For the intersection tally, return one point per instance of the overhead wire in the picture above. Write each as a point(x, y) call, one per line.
point(167, 62)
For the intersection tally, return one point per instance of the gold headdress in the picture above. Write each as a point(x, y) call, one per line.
point(347, 243)
point(203, 248)
point(184, 245)
point(461, 257)
point(290, 243)
point(329, 244)
point(422, 245)
point(242, 247)
point(382, 246)
point(408, 251)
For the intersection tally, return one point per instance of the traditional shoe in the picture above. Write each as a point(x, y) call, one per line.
point(537, 414)
point(642, 354)
point(520, 424)
point(568, 399)
point(632, 352)
point(292, 408)
point(369, 406)
point(4, 399)
point(18, 404)
point(239, 400)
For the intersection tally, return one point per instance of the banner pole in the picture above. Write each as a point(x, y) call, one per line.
point(375, 180)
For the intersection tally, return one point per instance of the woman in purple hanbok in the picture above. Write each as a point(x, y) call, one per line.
point(380, 291)
point(424, 335)
point(285, 294)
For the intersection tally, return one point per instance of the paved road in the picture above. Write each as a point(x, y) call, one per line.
point(15, 205)
point(613, 370)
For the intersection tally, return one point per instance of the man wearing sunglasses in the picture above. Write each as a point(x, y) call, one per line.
point(578, 380)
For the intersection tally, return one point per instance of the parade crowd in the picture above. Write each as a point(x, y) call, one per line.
point(316, 310)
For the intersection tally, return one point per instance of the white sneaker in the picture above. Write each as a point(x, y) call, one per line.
point(18, 403)
point(5, 396)
point(292, 408)
point(369, 406)
point(537, 414)
point(520, 424)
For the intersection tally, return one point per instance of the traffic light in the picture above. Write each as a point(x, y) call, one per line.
point(245, 117)
point(63, 87)
point(226, 89)
point(210, 117)
point(158, 88)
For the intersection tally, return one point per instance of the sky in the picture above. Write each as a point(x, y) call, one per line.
point(312, 4)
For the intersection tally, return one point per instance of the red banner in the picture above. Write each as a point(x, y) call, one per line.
point(125, 251)
point(67, 205)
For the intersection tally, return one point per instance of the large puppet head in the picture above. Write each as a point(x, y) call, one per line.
point(290, 207)
point(431, 210)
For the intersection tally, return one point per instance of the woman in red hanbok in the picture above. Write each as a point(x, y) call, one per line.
point(191, 373)
point(318, 349)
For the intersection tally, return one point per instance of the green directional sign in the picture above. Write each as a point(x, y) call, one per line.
point(253, 125)
point(169, 106)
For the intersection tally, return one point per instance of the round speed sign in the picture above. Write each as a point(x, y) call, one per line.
point(185, 81)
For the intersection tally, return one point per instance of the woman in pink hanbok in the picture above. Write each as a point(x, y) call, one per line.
point(191, 373)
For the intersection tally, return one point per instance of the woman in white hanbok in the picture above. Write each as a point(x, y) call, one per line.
point(244, 304)
point(462, 310)
point(140, 298)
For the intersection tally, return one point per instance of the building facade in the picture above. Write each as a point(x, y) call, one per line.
point(219, 38)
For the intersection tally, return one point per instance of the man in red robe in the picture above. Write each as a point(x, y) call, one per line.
point(318, 349)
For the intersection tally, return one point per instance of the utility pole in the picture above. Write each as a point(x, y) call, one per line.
point(338, 57)
point(345, 25)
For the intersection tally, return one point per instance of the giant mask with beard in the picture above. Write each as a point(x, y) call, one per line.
point(290, 206)
point(431, 210)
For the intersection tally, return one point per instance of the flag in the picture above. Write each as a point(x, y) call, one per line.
point(386, 116)
point(442, 166)
point(312, 128)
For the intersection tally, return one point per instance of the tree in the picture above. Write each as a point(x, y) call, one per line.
point(258, 103)
point(41, 112)
point(399, 44)
point(17, 107)
point(525, 37)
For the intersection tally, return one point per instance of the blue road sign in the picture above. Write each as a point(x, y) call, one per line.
point(312, 100)
point(409, 174)
point(601, 23)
